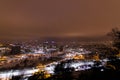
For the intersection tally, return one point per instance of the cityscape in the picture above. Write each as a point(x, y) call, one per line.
point(25, 60)
point(60, 40)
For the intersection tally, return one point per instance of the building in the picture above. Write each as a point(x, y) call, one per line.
point(4, 50)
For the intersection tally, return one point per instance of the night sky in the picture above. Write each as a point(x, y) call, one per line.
point(27, 19)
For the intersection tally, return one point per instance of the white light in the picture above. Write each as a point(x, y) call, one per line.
point(102, 69)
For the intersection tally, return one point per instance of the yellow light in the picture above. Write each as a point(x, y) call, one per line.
point(47, 75)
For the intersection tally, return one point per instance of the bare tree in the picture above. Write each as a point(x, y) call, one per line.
point(115, 34)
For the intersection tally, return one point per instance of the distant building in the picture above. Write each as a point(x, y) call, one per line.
point(4, 50)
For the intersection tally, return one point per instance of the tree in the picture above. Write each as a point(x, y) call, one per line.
point(115, 33)
point(37, 76)
point(62, 72)
point(16, 77)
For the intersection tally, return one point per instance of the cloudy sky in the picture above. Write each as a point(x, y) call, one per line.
point(24, 19)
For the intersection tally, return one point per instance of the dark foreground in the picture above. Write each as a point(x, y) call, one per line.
point(111, 71)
